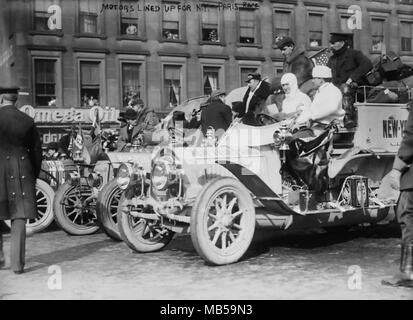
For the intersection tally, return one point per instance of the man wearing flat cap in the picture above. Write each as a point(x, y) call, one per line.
point(348, 68)
point(347, 65)
point(216, 114)
point(296, 62)
point(20, 163)
point(255, 97)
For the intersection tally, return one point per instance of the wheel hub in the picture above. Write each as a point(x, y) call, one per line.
point(225, 221)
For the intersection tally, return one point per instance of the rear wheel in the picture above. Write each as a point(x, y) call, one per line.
point(142, 235)
point(107, 209)
point(222, 221)
point(70, 211)
point(44, 197)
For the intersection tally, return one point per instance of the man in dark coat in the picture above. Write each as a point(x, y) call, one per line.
point(348, 67)
point(296, 61)
point(401, 177)
point(129, 133)
point(20, 163)
point(216, 114)
point(255, 97)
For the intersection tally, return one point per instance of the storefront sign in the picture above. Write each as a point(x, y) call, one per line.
point(72, 115)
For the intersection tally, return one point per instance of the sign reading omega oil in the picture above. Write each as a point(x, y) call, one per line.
point(47, 115)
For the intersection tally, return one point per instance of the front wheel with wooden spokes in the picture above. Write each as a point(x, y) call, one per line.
point(73, 212)
point(141, 235)
point(222, 221)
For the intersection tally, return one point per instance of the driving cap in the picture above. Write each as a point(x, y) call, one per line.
point(9, 93)
point(130, 114)
point(217, 93)
point(283, 41)
point(251, 76)
point(321, 72)
point(340, 36)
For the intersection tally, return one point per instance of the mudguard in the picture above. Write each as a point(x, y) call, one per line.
point(363, 162)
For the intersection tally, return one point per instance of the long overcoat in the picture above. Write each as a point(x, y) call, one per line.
point(404, 159)
point(20, 163)
point(256, 103)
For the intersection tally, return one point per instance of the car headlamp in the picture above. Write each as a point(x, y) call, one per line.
point(282, 138)
point(159, 176)
point(125, 172)
point(164, 173)
point(277, 139)
point(94, 180)
point(72, 178)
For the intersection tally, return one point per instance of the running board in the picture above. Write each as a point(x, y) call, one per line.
point(340, 209)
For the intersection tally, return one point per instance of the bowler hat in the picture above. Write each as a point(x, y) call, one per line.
point(340, 36)
point(130, 114)
point(217, 93)
point(251, 76)
point(283, 41)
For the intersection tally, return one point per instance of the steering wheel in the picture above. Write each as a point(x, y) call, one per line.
point(265, 119)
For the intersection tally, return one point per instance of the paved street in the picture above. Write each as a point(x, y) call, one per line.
point(303, 266)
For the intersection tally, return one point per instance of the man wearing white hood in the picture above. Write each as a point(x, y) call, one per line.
point(295, 100)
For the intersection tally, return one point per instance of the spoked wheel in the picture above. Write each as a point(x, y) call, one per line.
point(107, 209)
point(142, 235)
point(71, 213)
point(222, 221)
point(44, 196)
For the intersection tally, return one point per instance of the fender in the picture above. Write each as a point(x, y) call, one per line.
point(258, 188)
point(355, 162)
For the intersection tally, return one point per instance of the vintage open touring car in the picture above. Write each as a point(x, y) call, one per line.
point(89, 199)
point(219, 191)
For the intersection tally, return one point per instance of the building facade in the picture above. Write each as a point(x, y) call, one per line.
point(82, 53)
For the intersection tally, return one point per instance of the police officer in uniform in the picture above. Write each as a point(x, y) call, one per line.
point(20, 162)
point(401, 177)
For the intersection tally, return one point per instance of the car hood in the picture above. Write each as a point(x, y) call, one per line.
point(142, 157)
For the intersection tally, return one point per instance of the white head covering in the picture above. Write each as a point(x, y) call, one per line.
point(322, 72)
point(294, 100)
point(291, 79)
